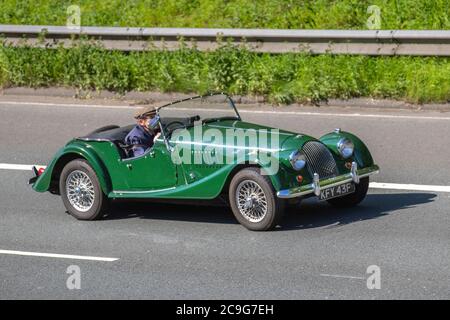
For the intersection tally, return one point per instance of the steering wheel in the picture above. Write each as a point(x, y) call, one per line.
point(178, 124)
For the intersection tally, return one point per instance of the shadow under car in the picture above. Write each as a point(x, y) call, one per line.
point(309, 214)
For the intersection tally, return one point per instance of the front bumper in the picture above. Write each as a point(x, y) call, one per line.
point(354, 175)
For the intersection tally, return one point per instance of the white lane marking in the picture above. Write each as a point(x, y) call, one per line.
point(70, 105)
point(373, 185)
point(55, 255)
point(280, 112)
point(410, 187)
point(341, 276)
point(346, 115)
point(9, 166)
point(12, 166)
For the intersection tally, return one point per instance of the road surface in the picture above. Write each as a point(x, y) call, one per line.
point(159, 251)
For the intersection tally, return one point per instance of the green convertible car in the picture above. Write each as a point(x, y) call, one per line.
point(205, 151)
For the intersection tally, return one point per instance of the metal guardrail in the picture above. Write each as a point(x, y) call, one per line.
point(363, 42)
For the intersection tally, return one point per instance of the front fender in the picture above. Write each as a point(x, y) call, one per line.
point(361, 154)
point(73, 150)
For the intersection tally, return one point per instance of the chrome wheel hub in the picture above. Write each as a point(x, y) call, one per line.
point(80, 190)
point(251, 201)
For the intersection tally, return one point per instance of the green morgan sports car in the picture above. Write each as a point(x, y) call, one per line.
point(205, 151)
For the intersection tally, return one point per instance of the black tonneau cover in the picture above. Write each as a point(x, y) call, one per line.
point(115, 134)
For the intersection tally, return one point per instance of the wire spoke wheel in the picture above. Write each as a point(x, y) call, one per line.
point(80, 190)
point(251, 201)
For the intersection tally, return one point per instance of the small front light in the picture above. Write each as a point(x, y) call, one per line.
point(297, 160)
point(345, 147)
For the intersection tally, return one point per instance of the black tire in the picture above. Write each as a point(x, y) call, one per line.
point(274, 206)
point(354, 198)
point(99, 204)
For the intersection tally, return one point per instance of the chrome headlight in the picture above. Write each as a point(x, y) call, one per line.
point(297, 160)
point(345, 147)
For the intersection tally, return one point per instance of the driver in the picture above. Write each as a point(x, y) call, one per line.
point(143, 135)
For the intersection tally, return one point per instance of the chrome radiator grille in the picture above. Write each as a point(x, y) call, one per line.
point(319, 160)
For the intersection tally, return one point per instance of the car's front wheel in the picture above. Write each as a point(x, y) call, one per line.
point(81, 192)
point(253, 200)
point(354, 198)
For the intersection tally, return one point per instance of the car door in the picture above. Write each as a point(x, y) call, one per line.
point(152, 171)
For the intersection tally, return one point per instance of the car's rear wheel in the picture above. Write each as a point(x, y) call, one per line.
point(253, 200)
point(81, 192)
point(354, 198)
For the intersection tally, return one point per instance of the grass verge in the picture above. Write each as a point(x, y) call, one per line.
point(278, 14)
point(281, 79)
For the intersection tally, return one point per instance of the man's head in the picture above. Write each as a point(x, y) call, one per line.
point(143, 121)
point(147, 118)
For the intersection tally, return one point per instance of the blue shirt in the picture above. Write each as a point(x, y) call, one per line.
point(141, 138)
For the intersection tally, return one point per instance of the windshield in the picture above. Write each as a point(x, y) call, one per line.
point(202, 109)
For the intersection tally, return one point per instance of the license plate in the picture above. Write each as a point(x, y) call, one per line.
point(337, 191)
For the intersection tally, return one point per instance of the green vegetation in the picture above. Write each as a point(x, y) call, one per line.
point(289, 14)
point(281, 78)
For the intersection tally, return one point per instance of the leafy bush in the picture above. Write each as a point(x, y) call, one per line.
point(282, 78)
point(4, 72)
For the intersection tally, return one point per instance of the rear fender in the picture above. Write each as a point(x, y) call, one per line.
point(49, 179)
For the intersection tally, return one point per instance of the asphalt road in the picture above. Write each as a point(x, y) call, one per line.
point(200, 252)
